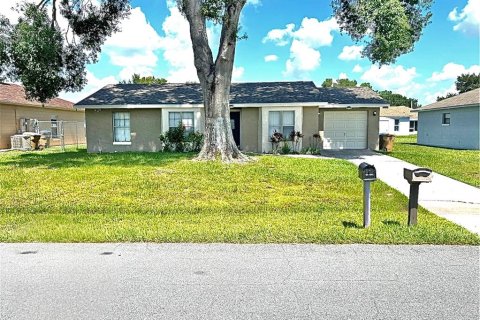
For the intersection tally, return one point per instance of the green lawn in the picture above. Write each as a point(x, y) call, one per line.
point(463, 165)
point(78, 197)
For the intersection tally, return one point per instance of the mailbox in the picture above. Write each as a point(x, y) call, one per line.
point(415, 177)
point(419, 175)
point(367, 172)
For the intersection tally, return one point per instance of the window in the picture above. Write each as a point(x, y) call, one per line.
point(54, 126)
point(281, 121)
point(446, 119)
point(185, 118)
point(413, 126)
point(121, 127)
point(397, 125)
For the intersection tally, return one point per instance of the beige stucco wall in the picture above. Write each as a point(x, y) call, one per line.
point(372, 124)
point(310, 125)
point(145, 129)
point(249, 129)
point(10, 116)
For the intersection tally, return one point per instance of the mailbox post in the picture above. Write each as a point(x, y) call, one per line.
point(415, 177)
point(367, 173)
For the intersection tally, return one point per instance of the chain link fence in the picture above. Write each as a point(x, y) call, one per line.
point(44, 134)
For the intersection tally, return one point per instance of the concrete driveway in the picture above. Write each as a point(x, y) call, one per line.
point(221, 281)
point(446, 197)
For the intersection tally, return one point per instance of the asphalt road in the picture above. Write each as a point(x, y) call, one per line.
point(219, 281)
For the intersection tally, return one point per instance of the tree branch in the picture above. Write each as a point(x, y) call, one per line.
point(203, 57)
point(228, 38)
point(42, 4)
point(54, 13)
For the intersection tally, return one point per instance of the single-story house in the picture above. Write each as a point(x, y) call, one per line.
point(451, 123)
point(18, 115)
point(398, 121)
point(131, 117)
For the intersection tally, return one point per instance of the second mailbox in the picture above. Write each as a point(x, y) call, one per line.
point(367, 172)
point(417, 175)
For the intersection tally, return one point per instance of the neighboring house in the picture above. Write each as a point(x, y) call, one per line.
point(398, 121)
point(451, 123)
point(18, 115)
point(131, 117)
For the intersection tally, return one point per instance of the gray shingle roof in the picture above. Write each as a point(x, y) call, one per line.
point(191, 93)
point(241, 93)
point(466, 99)
point(356, 95)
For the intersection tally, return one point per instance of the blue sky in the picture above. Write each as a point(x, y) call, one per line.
point(292, 40)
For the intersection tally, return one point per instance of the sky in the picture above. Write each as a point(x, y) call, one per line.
point(288, 40)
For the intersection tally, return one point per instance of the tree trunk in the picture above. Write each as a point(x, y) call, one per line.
point(215, 78)
point(218, 140)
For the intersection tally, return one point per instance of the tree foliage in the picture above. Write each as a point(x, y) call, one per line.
point(137, 79)
point(340, 83)
point(467, 81)
point(366, 85)
point(48, 59)
point(389, 28)
point(396, 99)
point(448, 95)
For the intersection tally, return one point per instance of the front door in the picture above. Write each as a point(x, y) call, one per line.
point(235, 122)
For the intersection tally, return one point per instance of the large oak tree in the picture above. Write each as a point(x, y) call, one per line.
point(388, 29)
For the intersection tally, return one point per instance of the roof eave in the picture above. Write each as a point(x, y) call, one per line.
point(447, 107)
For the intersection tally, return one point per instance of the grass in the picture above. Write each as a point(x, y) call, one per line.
point(50, 196)
point(462, 165)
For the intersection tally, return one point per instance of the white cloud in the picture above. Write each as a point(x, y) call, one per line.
point(431, 97)
point(177, 47)
point(451, 71)
point(316, 33)
point(302, 60)
point(351, 53)
point(254, 2)
point(305, 43)
point(281, 37)
point(468, 20)
point(237, 73)
point(133, 48)
point(357, 68)
point(93, 85)
point(271, 58)
point(342, 75)
point(6, 9)
point(390, 77)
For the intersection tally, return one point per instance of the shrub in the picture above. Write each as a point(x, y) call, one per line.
point(176, 139)
point(275, 139)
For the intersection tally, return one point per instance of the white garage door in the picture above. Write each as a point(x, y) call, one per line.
point(345, 130)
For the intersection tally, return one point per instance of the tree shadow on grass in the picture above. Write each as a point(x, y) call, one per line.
point(391, 223)
point(351, 224)
point(80, 158)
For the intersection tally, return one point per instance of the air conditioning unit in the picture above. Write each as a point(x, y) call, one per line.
point(20, 142)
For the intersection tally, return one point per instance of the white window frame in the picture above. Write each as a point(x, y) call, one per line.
point(182, 113)
point(264, 138)
point(444, 118)
point(128, 140)
point(282, 124)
